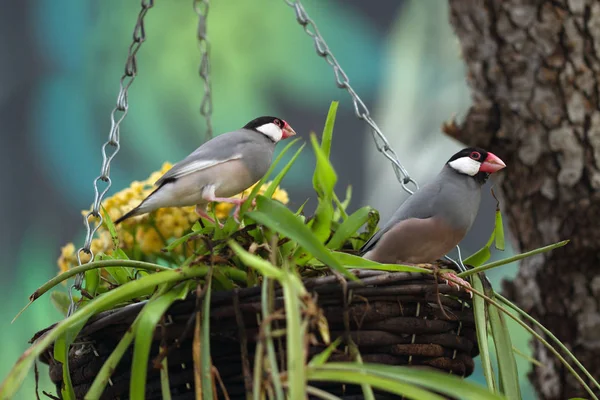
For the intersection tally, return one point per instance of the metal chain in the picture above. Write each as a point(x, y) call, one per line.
point(201, 7)
point(360, 109)
point(93, 219)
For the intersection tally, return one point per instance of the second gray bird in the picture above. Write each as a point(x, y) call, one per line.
point(432, 221)
point(222, 167)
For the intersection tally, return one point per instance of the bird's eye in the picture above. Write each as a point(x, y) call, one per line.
point(475, 155)
point(278, 123)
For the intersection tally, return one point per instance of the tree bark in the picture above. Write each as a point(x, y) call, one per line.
point(534, 71)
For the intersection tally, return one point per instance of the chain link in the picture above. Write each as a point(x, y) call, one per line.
point(201, 7)
point(360, 109)
point(93, 219)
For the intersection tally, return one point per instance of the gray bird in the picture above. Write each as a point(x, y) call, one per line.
point(222, 167)
point(433, 220)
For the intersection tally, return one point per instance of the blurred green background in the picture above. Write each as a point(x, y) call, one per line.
point(59, 71)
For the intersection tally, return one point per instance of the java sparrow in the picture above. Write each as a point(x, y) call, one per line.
point(222, 167)
point(433, 220)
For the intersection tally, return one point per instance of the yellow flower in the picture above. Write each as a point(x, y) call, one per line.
point(149, 240)
point(67, 258)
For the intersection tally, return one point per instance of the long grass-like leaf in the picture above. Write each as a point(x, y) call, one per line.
point(324, 181)
point(61, 354)
point(513, 259)
point(261, 265)
point(122, 293)
point(403, 380)
point(294, 340)
point(165, 386)
point(545, 330)
point(207, 382)
point(277, 180)
point(271, 355)
point(322, 357)
point(538, 337)
point(280, 219)
point(479, 311)
point(507, 365)
point(257, 187)
point(349, 227)
point(355, 262)
point(149, 317)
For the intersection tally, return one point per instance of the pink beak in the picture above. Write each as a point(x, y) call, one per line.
point(287, 131)
point(492, 164)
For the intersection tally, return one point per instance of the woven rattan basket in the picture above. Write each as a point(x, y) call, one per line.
point(394, 318)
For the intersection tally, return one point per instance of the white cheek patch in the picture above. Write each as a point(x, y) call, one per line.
point(271, 130)
point(466, 165)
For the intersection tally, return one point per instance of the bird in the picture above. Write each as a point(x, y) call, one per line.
point(222, 167)
point(433, 220)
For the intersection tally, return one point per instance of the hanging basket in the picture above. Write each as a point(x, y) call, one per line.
point(394, 318)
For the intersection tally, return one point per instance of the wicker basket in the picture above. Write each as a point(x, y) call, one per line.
point(394, 318)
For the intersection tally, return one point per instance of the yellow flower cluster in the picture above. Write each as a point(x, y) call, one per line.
point(149, 231)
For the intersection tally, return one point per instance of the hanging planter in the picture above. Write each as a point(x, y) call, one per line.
point(393, 318)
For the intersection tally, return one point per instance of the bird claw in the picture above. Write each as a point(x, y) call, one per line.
point(452, 279)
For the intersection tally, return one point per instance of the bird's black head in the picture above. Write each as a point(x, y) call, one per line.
point(272, 127)
point(475, 162)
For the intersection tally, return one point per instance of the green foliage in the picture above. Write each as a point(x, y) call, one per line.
point(273, 245)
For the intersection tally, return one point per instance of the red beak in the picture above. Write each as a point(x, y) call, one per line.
point(492, 164)
point(287, 131)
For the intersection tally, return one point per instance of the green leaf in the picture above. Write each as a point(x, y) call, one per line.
point(349, 227)
point(123, 293)
point(499, 229)
point(92, 279)
point(179, 241)
point(279, 218)
point(324, 180)
point(479, 311)
point(61, 354)
point(149, 317)
point(328, 130)
point(340, 211)
point(356, 262)
point(206, 364)
point(401, 380)
point(111, 228)
point(253, 261)
point(483, 254)
point(257, 187)
point(294, 338)
point(322, 357)
point(507, 365)
point(512, 259)
point(271, 189)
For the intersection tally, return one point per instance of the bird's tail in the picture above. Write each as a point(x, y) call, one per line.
point(132, 213)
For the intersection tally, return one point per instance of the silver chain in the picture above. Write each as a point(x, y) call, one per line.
point(201, 7)
point(112, 146)
point(360, 109)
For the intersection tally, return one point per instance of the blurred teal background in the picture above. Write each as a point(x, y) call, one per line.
point(59, 70)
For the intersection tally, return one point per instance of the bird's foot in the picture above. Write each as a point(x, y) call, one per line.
point(236, 212)
point(453, 280)
point(202, 213)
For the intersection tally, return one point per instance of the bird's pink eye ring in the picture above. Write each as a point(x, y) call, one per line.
point(475, 155)
point(278, 123)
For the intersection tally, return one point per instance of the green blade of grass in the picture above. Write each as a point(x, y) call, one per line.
point(294, 339)
point(271, 355)
point(206, 363)
point(257, 187)
point(499, 229)
point(324, 180)
point(349, 227)
point(125, 292)
point(433, 380)
point(61, 354)
point(271, 189)
point(261, 265)
point(328, 129)
point(512, 259)
point(165, 386)
point(545, 330)
point(507, 365)
point(149, 317)
point(351, 261)
point(279, 218)
point(479, 311)
point(322, 357)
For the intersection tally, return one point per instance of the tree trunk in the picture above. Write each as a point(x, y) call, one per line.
point(534, 71)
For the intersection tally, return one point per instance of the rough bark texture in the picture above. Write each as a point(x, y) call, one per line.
point(534, 70)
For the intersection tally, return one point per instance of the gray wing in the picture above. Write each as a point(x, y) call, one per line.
point(419, 205)
point(226, 147)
